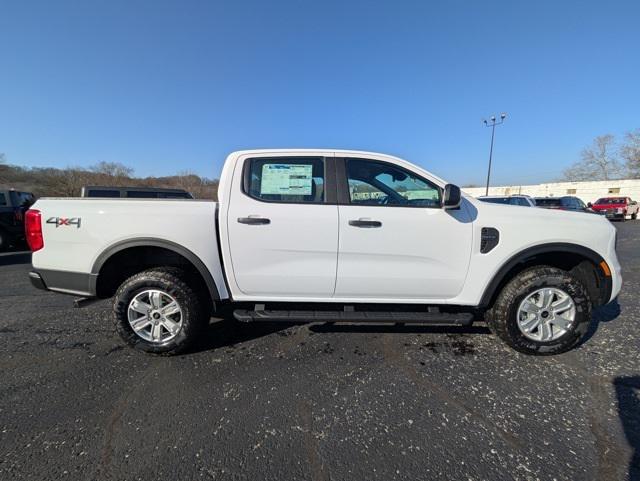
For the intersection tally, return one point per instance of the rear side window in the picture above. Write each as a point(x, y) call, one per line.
point(174, 195)
point(103, 193)
point(3, 199)
point(141, 194)
point(21, 199)
point(549, 202)
point(286, 179)
point(496, 200)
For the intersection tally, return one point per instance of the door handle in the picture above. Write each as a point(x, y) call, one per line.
point(251, 220)
point(366, 223)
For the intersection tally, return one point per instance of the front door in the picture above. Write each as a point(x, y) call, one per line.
point(396, 242)
point(283, 233)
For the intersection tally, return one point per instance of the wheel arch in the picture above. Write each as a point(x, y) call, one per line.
point(150, 242)
point(585, 262)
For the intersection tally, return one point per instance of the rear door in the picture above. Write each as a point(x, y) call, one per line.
point(282, 224)
point(396, 242)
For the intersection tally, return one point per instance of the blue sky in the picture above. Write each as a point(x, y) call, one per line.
point(166, 86)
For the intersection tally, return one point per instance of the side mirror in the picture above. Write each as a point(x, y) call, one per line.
point(589, 204)
point(451, 198)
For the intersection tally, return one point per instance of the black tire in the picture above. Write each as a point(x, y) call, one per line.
point(502, 317)
point(634, 216)
point(173, 282)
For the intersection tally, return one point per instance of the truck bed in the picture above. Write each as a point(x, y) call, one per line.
point(79, 231)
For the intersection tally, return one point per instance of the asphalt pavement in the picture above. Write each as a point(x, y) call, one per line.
point(313, 402)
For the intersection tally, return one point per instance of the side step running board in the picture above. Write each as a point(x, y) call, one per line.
point(424, 317)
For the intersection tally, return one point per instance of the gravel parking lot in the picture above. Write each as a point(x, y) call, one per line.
point(313, 402)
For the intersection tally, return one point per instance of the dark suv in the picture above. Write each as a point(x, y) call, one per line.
point(566, 202)
point(13, 205)
point(134, 192)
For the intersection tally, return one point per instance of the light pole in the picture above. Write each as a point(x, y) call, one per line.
point(492, 122)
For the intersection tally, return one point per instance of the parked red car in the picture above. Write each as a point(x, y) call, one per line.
point(616, 207)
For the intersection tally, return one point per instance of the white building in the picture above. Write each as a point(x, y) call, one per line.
point(587, 191)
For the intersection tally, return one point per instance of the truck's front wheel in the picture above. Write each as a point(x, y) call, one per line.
point(157, 311)
point(543, 310)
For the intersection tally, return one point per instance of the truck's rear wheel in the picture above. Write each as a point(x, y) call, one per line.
point(158, 311)
point(543, 310)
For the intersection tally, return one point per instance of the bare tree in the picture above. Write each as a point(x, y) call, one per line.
point(598, 162)
point(50, 181)
point(113, 170)
point(630, 153)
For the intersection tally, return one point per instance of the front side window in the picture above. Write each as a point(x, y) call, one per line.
point(286, 179)
point(378, 183)
point(3, 199)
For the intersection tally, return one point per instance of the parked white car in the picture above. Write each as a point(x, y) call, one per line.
point(328, 235)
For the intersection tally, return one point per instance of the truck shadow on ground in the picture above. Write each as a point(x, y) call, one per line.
point(628, 396)
point(227, 331)
point(600, 315)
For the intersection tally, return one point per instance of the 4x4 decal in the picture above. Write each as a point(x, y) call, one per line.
point(62, 221)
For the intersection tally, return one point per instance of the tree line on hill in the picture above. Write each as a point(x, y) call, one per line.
point(607, 159)
point(54, 182)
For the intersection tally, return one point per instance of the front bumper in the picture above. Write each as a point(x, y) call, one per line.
point(611, 213)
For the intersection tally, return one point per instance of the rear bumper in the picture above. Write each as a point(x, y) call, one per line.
point(65, 282)
point(36, 281)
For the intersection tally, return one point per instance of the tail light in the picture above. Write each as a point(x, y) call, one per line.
point(33, 230)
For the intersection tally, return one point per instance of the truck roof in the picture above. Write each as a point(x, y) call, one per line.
point(323, 150)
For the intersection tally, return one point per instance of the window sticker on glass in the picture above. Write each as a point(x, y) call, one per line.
point(286, 179)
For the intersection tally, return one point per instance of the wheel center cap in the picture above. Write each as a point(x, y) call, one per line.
point(156, 315)
point(544, 314)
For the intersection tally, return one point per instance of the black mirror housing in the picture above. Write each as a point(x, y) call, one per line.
point(452, 196)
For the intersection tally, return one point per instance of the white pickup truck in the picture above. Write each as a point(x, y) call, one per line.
point(330, 236)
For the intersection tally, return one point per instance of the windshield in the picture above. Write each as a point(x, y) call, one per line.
point(611, 200)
